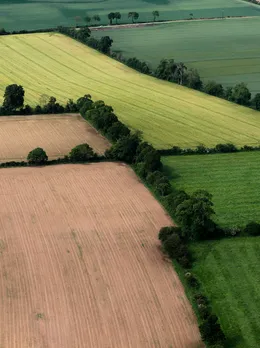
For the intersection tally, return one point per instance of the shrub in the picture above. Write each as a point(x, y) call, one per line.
point(171, 245)
point(252, 228)
point(154, 177)
point(140, 170)
point(37, 156)
point(124, 149)
point(176, 198)
point(81, 153)
point(163, 189)
point(167, 231)
point(225, 148)
point(191, 280)
point(211, 331)
point(117, 130)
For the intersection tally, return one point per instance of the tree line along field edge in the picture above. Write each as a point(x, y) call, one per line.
point(65, 68)
point(19, 15)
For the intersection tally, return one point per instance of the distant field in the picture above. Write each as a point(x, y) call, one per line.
point(80, 263)
point(232, 179)
point(57, 134)
point(232, 57)
point(230, 274)
point(32, 14)
point(166, 113)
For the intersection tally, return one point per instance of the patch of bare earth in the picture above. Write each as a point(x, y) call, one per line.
point(57, 134)
point(80, 265)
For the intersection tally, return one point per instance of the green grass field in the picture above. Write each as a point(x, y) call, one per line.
point(232, 179)
point(32, 14)
point(167, 114)
point(231, 57)
point(230, 274)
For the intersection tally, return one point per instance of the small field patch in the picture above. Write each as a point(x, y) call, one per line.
point(230, 274)
point(232, 179)
point(56, 134)
point(81, 265)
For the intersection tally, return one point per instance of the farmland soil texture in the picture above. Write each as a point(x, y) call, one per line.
point(166, 113)
point(56, 134)
point(80, 263)
point(35, 14)
point(232, 57)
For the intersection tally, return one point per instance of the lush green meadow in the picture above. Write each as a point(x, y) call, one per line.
point(231, 57)
point(32, 14)
point(166, 113)
point(232, 179)
point(230, 273)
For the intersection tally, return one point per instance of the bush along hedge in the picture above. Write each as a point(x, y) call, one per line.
point(174, 245)
point(203, 150)
point(82, 153)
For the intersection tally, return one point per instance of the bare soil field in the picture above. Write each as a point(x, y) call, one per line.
point(57, 134)
point(80, 264)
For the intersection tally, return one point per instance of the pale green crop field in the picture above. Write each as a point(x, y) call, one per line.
point(166, 113)
point(35, 14)
point(233, 56)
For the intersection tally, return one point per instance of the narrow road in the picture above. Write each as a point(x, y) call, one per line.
point(146, 24)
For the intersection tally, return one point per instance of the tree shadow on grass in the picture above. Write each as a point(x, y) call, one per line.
point(170, 172)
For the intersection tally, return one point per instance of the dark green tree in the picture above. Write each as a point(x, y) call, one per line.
point(179, 74)
point(241, 94)
point(256, 101)
point(214, 88)
point(124, 149)
point(96, 18)
point(81, 153)
point(133, 15)
point(155, 14)
point(13, 97)
point(87, 19)
point(166, 70)
point(211, 331)
point(117, 130)
point(111, 16)
point(193, 80)
point(37, 156)
point(194, 215)
point(117, 16)
point(104, 44)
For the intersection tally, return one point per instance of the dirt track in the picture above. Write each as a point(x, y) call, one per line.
point(57, 134)
point(149, 24)
point(80, 265)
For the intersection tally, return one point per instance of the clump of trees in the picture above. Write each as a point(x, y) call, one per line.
point(13, 98)
point(82, 153)
point(83, 35)
point(37, 156)
point(134, 16)
point(114, 16)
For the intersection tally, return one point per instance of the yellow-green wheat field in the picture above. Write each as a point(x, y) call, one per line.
point(167, 114)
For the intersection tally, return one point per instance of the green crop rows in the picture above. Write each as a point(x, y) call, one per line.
point(226, 51)
point(232, 179)
point(230, 274)
point(166, 113)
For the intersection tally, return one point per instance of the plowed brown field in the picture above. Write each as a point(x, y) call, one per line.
point(80, 265)
point(57, 134)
